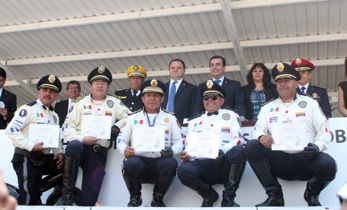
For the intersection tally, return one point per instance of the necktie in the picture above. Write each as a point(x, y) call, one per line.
point(215, 113)
point(217, 81)
point(303, 90)
point(171, 100)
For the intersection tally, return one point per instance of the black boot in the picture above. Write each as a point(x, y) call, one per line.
point(313, 189)
point(69, 181)
point(134, 188)
point(159, 190)
point(273, 189)
point(232, 184)
point(209, 198)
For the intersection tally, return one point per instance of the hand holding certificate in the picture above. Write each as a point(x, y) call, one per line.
point(203, 145)
point(48, 134)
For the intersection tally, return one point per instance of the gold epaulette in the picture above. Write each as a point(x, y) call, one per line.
point(268, 102)
point(78, 98)
point(166, 111)
point(113, 95)
point(137, 111)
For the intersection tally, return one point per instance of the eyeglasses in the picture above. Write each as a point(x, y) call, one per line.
point(210, 97)
point(100, 83)
point(73, 88)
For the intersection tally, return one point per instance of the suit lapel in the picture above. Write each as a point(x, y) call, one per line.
point(181, 87)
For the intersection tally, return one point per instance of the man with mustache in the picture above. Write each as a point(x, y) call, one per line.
point(289, 139)
point(32, 160)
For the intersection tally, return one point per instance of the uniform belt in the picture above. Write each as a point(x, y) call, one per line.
point(99, 149)
point(38, 155)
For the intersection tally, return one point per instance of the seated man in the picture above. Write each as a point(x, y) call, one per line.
point(195, 172)
point(156, 167)
point(290, 136)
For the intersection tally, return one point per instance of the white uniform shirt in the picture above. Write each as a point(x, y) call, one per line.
point(36, 113)
point(110, 106)
point(173, 132)
point(226, 124)
point(302, 108)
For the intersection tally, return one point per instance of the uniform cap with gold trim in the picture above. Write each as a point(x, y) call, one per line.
point(301, 64)
point(153, 86)
point(100, 72)
point(49, 81)
point(212, 88)
point(136, 71)
point(284, 71)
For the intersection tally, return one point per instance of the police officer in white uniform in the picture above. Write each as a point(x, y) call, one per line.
point(296, 123)
point(155, 167)
point(86, 150)
point(199, 173)
point(33, 160)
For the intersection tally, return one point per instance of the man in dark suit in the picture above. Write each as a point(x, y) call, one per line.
point(8, 102)
point(73, 90)
point(131, 97)
point(234, 98)
point(305, 68)
point(183, 92)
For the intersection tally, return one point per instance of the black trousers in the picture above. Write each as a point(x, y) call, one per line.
point(293, 166)
point(93, 164)
point(29, 172)
point(207, 171)
point(149, 169)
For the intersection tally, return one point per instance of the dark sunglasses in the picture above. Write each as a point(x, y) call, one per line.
point(210, 97)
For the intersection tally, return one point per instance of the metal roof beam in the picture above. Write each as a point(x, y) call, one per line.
point(247, 4)
point(112, 18)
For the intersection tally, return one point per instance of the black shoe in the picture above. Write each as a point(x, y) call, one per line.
point(135, 201)
point(212, 197)
point(272, 201)
point(228, 201)
point(312, 200)
point(65, 200)
point(157, 200)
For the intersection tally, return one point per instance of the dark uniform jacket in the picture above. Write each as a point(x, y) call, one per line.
point(10, 101)
point(233, 99)
point(133, 103)
point(184, 100)
point(321, 96)
point(61, 109)
point(270, 93)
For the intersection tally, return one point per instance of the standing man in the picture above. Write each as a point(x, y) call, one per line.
point(132, 97)
point(289, 139)
point(33, 160)
point(305, 68)
point(89, 151)
point(234, 99)
point(200, 173)
point(153, 166)
point(8, 102)
point(73, 90)
point(180, 98)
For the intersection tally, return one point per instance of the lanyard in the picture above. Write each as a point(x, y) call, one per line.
point(149, 121)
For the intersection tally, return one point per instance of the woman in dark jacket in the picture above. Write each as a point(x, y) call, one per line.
point(259, 90)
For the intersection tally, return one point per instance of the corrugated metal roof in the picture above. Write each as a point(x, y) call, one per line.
point(70, 38)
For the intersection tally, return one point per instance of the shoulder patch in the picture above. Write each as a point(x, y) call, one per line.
point(268, 101)
point(78, 98)
point(32, 103)
point(166, 111)
point(135, 112)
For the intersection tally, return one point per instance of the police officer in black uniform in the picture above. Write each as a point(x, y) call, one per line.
point(33, 160)
point(305, 68)
point(131, 97)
